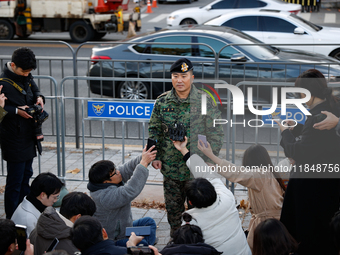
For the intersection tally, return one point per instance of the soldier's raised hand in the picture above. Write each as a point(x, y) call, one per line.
point(157, 164)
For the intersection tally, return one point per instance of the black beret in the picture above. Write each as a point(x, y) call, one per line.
point(182, 65)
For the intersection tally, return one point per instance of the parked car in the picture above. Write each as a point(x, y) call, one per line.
point(235, 63)
point(275, 27)
point(199, 15)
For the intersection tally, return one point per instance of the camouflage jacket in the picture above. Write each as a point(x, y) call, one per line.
point(169, 109)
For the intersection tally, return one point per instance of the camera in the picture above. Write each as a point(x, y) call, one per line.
point(177, 132)
point(39, 116)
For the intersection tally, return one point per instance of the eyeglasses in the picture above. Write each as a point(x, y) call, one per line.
point(113, 174)
point(55, 197)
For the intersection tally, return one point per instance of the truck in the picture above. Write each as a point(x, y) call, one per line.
point(85, 20)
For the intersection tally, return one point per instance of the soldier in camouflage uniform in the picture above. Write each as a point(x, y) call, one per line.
point(181, 105)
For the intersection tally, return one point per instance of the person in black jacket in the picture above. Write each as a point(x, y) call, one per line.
point(312, 195)
point(17, 131)
point(88, 235)
point(8, 239)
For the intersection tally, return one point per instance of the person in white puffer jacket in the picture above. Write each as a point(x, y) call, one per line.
point(214, 208)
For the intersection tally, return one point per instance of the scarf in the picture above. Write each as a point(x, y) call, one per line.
point(37, 204)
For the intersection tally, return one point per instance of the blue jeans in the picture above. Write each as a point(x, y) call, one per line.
point(148, 240)
point(17, 184)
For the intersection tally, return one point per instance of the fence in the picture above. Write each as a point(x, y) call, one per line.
point(71, 76)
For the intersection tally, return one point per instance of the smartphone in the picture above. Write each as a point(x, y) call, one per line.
point(203, 138)
point(320, 117)
point(139, 250)
point(53, 245)
point(150, 143)
point(139, 231)
point(21, 236)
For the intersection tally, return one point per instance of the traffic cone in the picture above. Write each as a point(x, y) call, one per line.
point(149, 10)
point(101, 7)
point(154, 4)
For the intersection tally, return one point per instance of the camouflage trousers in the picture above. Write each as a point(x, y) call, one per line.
point(174, 196)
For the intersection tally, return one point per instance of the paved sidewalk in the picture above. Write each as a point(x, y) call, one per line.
point(152, 192)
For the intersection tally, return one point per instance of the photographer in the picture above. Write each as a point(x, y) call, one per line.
point(113, 189)
point(17, 137)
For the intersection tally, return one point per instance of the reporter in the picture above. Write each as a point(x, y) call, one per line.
point(272, 238)
point(265, 187)
point(315, 191)
point(113, 189)
point(88, 235)
point(214, 207)
point(188, 239)
point(18, 142)
point(8, 242)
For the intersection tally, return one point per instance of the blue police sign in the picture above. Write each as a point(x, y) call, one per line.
point(292, 113)
point(119, 110)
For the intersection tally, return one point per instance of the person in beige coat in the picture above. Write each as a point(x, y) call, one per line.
point(265, 187)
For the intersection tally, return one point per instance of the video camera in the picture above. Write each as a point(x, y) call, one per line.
point(177, 132)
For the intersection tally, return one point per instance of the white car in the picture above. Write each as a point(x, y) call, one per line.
point(276, 27)
point(199, 15)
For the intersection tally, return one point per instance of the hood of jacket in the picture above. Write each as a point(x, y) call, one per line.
point(93, 187)
point(51, 224)
point(106, 247)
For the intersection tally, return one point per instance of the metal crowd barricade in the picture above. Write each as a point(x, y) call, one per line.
point(46, 62)
point(102, 120)
point(256, 105)
point(75, 67)
point(75, 71)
